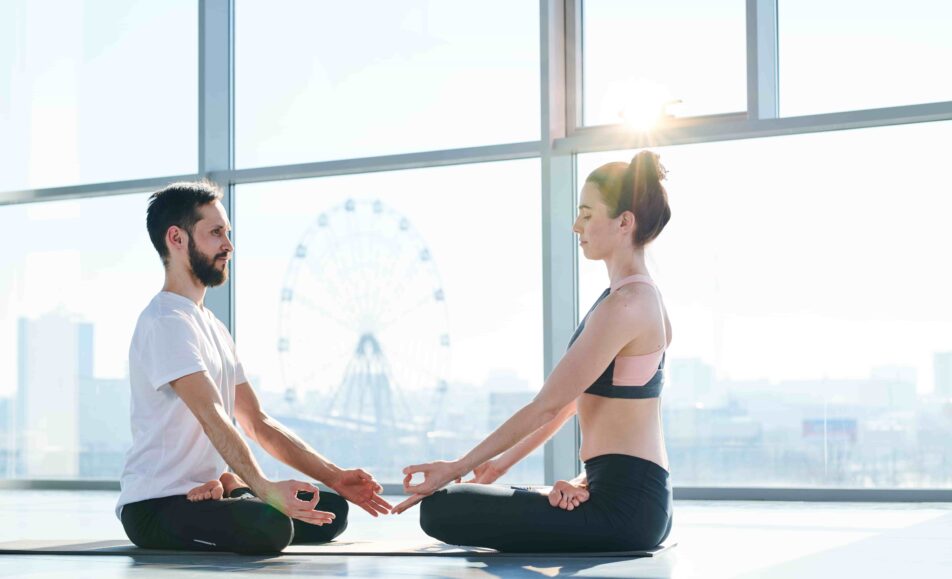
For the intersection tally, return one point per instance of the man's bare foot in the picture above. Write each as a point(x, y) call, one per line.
point(230, 481)
point(210, 491)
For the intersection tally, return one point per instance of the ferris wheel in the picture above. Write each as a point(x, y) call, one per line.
point(363, 321)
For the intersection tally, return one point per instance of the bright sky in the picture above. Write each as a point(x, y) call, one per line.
point(805, 257)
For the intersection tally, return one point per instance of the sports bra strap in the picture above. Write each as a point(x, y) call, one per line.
point(604, 387)
point(637, 278)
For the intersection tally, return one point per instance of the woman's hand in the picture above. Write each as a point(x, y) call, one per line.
point(568, 496)
point(488, 472)
point(436, 475)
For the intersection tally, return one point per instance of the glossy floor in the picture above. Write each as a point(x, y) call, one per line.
point(716, 540)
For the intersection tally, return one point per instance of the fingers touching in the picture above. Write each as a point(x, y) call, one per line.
point(407, 504)
point(567, 496)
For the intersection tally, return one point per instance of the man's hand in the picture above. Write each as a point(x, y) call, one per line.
point(566, 495)
point(358, 487)
point(487, 473)
point(283, 495)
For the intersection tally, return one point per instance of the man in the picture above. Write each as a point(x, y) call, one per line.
point(187, 387)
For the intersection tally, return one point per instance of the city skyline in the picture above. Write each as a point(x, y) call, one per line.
point(834, 425)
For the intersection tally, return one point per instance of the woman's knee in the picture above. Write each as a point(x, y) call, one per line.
point(435, 513)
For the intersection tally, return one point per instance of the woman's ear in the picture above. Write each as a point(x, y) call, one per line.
point(628, 224)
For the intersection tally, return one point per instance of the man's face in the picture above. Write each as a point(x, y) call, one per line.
point(209, 249)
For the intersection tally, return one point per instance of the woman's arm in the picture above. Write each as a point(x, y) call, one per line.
point(580, 481)
point(610, 327)
point(501, 464)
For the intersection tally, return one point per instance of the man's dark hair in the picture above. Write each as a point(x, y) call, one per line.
point(177, 205)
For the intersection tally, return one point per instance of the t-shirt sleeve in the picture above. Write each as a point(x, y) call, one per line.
point(172, 350)
point(239, 372)
point(240, 377)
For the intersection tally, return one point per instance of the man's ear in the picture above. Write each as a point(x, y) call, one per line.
point(176, 238)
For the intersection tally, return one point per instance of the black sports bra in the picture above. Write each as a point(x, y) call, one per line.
point(603, 385)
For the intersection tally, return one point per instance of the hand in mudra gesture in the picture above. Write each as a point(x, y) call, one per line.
point(297, 500)
point(487, 473)
point(568, 496)
point(436, 475)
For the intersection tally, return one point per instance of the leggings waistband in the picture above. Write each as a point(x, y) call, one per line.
point(623, 466)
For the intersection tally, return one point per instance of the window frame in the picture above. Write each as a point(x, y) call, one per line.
point(562, 138)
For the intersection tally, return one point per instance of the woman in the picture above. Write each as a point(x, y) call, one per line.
point(611, 375)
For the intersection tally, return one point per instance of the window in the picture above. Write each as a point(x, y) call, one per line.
point(812, 325)
point(643, 55)
point(848, 55)
point(393, 318)
point(358, 79)
point(72, 286)
point(97, 91)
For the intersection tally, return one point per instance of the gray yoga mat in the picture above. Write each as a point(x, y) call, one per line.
point(336, 548)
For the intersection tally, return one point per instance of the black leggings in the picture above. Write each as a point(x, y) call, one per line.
point(241, 524)
point(629, 508)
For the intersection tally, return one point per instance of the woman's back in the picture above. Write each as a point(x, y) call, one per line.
point(624, 416)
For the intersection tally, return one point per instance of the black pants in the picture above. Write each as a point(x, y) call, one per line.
point(241, 523)
point(629, 508)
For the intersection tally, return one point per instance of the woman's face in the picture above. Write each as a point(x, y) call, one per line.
point(598, 233)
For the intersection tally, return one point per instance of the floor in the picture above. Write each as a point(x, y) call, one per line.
point(716, 540)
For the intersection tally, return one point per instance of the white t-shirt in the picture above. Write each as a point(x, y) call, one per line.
point(170, 452)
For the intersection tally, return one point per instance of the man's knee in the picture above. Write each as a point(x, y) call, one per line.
point(272, 532)
point(336, 504)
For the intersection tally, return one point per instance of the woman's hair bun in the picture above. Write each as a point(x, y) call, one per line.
point(647, 164)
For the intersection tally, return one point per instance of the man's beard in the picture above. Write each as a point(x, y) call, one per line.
point(204, 269)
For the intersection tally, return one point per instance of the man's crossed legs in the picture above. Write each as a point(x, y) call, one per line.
point(224, 515)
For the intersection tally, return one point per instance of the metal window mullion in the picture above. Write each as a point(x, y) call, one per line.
point(854, 495)
point(574, 71)
point(216, 122)
point(763, 68)
point(398, 162)
point(737, 126)
point(558, 246)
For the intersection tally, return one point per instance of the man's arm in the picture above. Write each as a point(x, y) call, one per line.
point(354, 485)
point(278, 441)
point(199, 393)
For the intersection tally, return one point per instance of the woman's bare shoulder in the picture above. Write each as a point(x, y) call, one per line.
point(630, 307)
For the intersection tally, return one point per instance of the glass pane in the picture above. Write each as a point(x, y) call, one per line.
point(393, 318)
point(855, 54)
point(332, 80)
point(72, 288)
point(97, 91)
point(637, 56)
point(812, 321)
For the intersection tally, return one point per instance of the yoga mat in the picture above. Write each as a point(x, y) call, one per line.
point(337, 548)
